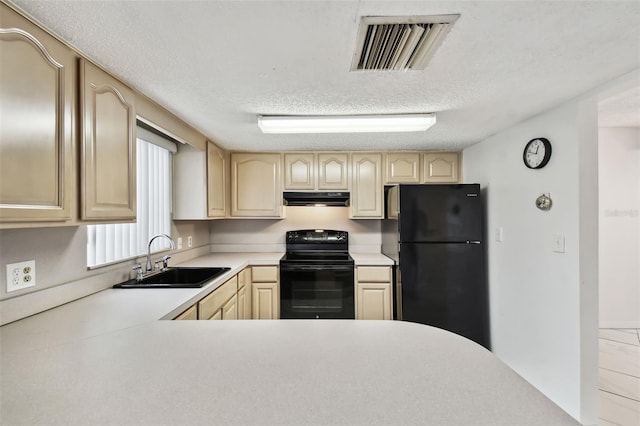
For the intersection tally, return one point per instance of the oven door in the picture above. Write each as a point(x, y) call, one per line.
point(316, 291)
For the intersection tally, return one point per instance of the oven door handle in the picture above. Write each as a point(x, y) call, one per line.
point(316, 268)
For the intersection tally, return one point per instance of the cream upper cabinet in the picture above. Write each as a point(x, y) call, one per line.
point(37, 104)
point(333, 171)
point(256, 189)
point(366, 186)
point(393, 202)
point(264, 289)
point(441, 167)
point(316, 171)
point(108, 148)
point(217, 181)
point(402, 167)
point(299, 171)
point(200, 183)
point(373, 293)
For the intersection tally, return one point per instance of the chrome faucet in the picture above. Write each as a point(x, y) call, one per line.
point(148, 267)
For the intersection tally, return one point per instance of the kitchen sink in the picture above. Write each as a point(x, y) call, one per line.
point(176, 277)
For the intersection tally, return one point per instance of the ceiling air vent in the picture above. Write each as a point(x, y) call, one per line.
point(399, 43)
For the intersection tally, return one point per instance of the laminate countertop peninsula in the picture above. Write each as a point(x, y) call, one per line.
point(109, 359)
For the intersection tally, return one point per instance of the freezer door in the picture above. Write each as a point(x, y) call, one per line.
point(443, 285)
point(440, 213)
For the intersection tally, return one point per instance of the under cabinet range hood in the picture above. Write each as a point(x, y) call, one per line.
point(336, 199)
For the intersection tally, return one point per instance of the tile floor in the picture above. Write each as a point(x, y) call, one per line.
point(619, 377)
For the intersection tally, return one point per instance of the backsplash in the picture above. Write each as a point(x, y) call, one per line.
point(267, 235)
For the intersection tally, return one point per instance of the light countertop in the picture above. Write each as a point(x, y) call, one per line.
point(108, 359)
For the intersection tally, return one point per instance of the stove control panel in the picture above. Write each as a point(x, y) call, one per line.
point(310, 236)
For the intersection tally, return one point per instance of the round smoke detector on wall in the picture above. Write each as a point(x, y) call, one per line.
point(544, 202)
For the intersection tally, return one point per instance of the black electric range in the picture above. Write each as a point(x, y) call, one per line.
point(317, 276)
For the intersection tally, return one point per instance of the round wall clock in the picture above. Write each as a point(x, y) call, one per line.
point(537, 153)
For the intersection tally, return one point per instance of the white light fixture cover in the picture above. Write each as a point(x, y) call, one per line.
point(346, 123)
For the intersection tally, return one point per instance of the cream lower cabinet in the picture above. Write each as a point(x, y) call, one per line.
point(256, 189)
point(244, 294)
point(189, 314)
point(264, 292)
point(37, 104)
point(221, 303)
point(373, 293)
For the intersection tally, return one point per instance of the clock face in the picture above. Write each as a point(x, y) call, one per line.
point(537, 153)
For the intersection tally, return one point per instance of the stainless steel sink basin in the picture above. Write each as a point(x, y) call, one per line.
point(177, 277)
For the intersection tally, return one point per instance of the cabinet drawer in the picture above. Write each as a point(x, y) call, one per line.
point(208, 306)
point(264, 274)
point(373, 274)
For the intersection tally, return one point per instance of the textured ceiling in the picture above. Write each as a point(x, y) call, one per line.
point(218, 64)
point(622, 110)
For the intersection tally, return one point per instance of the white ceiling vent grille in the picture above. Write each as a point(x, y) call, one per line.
point(399, 43)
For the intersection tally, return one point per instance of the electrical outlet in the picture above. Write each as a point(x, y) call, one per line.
point(21, 275)
point(189, 241)
point(179, 243)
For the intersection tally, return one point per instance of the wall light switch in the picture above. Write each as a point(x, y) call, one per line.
point(499, 234)
point(21, 275)
point(179, 243)
point(558, 243)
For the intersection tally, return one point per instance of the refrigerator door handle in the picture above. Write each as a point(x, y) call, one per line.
point(473, 242)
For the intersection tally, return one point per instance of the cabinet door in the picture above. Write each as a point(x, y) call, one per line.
point(332, 171)
point(366, 187)
point(242, 298)
point(245, 276)
point(108, 176)
point(255, 185)
point(441, 167)
point(217, 183)
point(299, 171)
point(209, 306)
point(265, 301)
point(373, 301)
point(402, 167)
point(37, 104)
point(230, 309)
point(189, 314)
point(217, 316)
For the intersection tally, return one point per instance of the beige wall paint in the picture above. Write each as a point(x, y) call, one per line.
point(268, 235)
point(61, 254)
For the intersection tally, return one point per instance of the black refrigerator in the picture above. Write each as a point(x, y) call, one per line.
point(435, 232)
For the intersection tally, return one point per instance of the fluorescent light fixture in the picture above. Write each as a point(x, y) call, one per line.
point(346, 123)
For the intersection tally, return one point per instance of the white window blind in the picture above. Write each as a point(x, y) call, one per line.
point(108, 243)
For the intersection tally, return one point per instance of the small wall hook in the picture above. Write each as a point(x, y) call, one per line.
point(544, 202)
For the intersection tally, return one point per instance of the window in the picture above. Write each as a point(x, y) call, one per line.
point(108, 243)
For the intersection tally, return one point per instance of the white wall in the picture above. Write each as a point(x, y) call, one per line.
point(539, 299)
point(262, 235)
point(619, 187)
